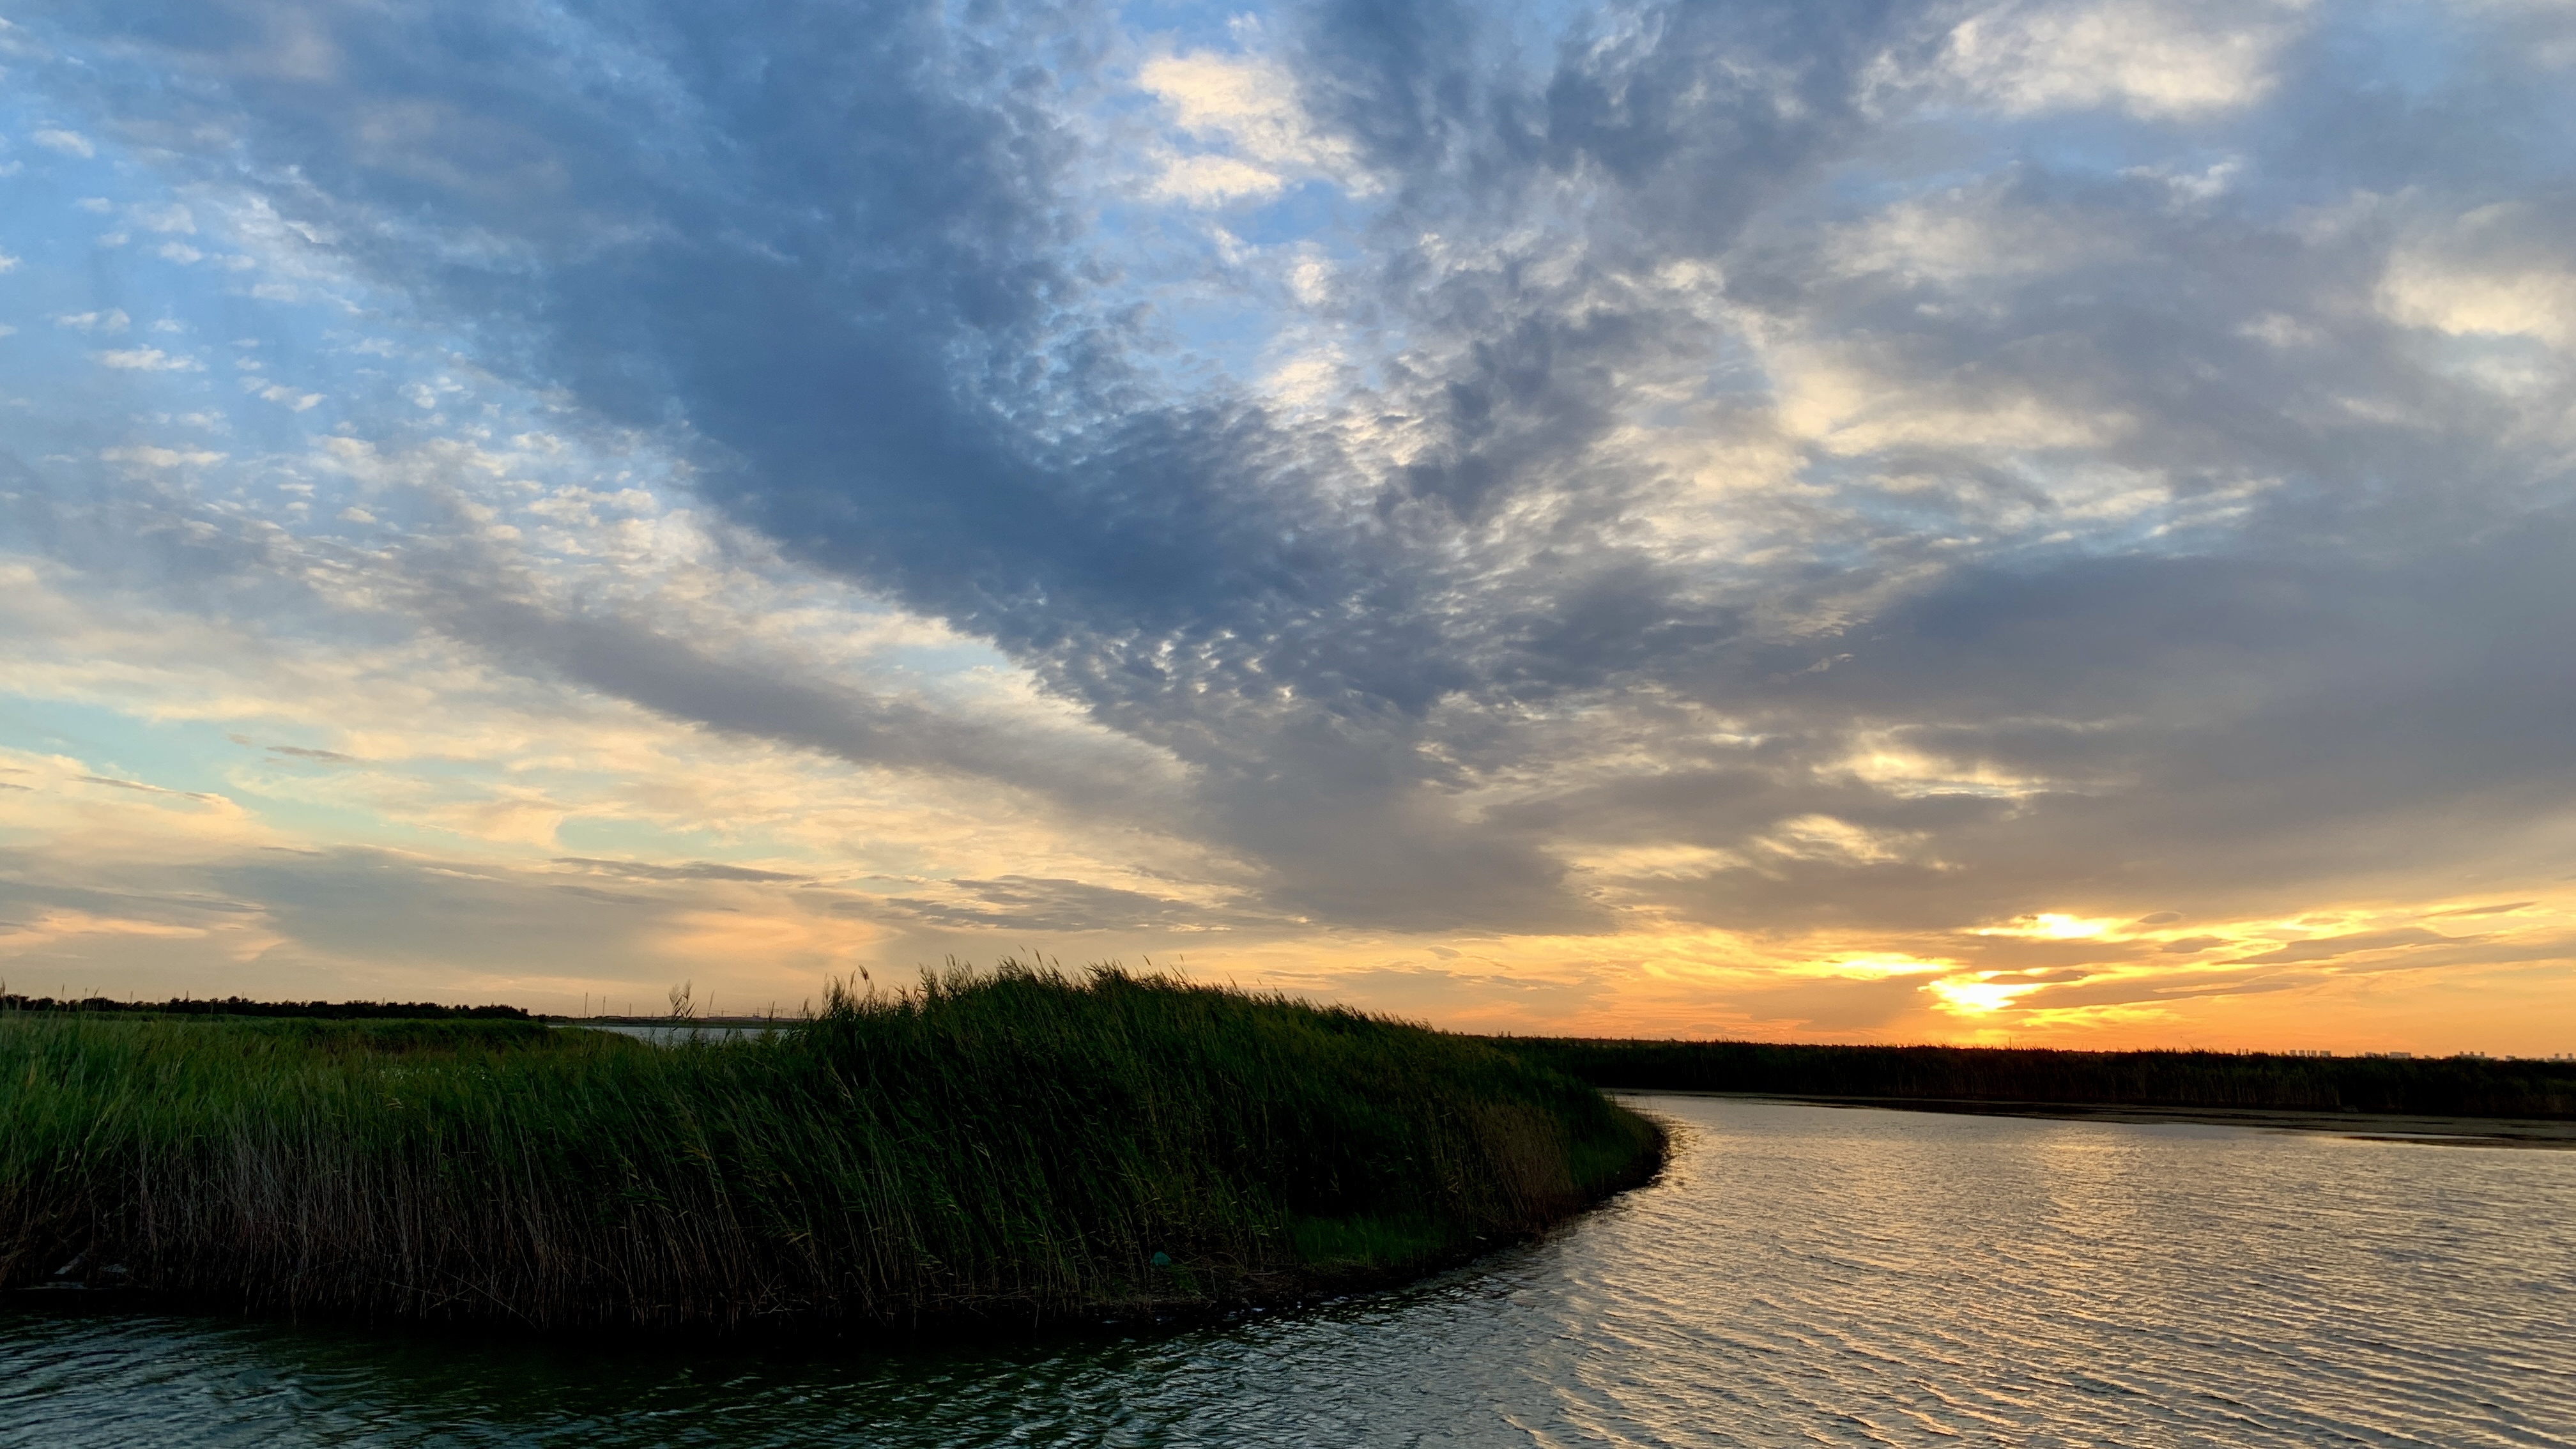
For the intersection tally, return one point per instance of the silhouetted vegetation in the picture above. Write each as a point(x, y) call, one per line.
point(2436, 1086)
point(239, 1006)
point(1018, 1143)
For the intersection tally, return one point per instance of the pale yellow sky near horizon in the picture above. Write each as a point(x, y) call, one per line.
point(552, 933)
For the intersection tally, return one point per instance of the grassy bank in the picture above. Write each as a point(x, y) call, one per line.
point(2438, 1086)
point(1018, 1144)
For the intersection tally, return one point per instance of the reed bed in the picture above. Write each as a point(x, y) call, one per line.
point(1015, 1144)
point(2430, 1086)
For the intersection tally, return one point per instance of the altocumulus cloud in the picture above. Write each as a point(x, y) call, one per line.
point(1770, 509)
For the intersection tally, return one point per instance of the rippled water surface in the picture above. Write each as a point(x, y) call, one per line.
point(1802, 1275)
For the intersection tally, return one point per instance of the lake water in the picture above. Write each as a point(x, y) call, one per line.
point(1801, 1276)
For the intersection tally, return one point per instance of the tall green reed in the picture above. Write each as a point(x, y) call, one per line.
point(1014, 1143)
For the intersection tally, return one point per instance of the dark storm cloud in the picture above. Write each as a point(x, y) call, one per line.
point(840, 250)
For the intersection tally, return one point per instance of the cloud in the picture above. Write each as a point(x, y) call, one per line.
point(324, 757)
point(2329, 948)
point(689, 870)
point(1247, 109)
point(110, 320)
point(2500, 270)
point(626, 658)
point(1858, 476)
point(2494, 910)
point(145, 455)
point(147, 359)
point(280, 393)
point(68, 143)
point(54, 927)
point(147, 789)
point(1056, 907)
point(2152, 57)
point(1214, 180)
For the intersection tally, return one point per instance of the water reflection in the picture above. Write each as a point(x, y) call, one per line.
point(1802, 1275)
point(664, 1033)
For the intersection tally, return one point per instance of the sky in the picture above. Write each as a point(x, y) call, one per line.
point(1988, 522)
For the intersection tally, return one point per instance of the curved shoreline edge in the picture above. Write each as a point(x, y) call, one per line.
point(1017, 1147)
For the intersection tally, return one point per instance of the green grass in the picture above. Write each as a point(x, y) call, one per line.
point(1014, 1144)
point(2435, 1086)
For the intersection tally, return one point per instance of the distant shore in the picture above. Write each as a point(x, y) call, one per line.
point(2366, 1126)
point(2501, 1100)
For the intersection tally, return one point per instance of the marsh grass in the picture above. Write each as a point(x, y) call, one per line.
point(1015, 1144)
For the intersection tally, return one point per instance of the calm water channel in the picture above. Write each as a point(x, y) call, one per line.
point(1802, 1275)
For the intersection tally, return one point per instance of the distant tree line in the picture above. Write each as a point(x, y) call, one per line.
point(243, 1006)
point(2467, 1086)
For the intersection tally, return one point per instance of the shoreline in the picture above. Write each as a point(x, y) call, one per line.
point(2427, 1129)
